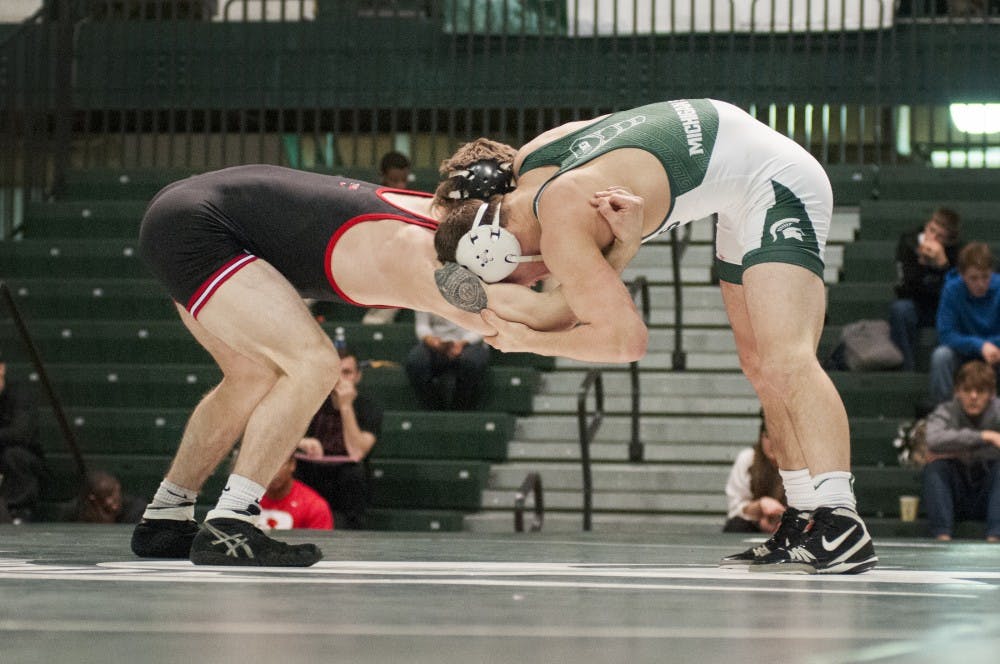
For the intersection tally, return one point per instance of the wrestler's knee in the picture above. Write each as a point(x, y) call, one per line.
point(252, 381)
point(316, 369)
point(781, 371)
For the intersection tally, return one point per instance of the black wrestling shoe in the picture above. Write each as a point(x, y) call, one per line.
point(793, 523)
point(835, 542)
point(237, 542)
point(163, 538)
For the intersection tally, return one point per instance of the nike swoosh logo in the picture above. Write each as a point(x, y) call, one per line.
point(830, 546)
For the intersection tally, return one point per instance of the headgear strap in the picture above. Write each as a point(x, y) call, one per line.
point(490, 252)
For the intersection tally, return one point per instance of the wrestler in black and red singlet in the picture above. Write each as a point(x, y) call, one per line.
point(198, 232)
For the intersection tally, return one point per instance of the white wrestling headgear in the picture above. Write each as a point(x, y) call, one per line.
point(490, 252)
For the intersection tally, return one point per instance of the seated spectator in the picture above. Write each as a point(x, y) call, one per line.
point(923, 257)
point(289, 503)
point(448, 365)
point(337, 443)
point(22, 460)
point(968, 320)
point(754, 491)
point(962, 477)
point(394, 171)
point(101, 500)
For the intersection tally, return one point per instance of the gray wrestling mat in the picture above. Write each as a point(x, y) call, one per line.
point(73, 593)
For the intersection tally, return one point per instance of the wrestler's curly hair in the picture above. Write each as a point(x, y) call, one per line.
point(464, 156)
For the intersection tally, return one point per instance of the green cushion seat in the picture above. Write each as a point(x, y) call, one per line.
point(415, 520)
point(428, 483)
point(878, 488)
point(894, 394)
point(140, 475)
point(84, 219)
point(445, 435)
point(66, 258)
point(113, 385)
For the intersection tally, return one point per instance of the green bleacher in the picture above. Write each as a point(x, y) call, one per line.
point(128, 373)
point(879, 402)
point(887, 219)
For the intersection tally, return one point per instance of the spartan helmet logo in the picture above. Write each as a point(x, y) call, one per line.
point(788, 228)
point(597, 139)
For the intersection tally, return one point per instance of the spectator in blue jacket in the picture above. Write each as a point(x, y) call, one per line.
point(968, 320)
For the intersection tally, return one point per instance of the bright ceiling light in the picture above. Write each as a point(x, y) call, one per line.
point(976, 118)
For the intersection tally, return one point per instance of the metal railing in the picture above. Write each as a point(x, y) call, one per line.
point(43, 378)
point(640, 288)
point(588, 425)
point(532, 485)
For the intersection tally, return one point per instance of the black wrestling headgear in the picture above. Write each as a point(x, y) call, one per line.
point(482, 179)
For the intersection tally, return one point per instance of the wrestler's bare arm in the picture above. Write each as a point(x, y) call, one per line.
point(540, 311)
point(461, 287)
point(549, 310)
point(610, 329)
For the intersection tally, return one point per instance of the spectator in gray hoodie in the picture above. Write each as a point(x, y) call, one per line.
point(962, 477)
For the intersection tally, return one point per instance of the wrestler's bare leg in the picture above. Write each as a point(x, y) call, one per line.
point(278, 365)
point(221, 416)
point(258, 315)
point(785, 305)
point(779, 424)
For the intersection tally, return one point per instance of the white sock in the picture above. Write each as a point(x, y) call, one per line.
point(799, 489)
point(835, 489)
point(171, 502)
point(240, 500)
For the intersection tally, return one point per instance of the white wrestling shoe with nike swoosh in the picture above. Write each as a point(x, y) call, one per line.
point(836, 541)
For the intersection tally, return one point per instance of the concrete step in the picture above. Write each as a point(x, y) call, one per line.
point(663, 361)
point(688, 383)
point(678, 404)
point(654, 478)
point(621, 501)
point(694, 340)
point(571, 522)
point(664, 430)
point(654, 451)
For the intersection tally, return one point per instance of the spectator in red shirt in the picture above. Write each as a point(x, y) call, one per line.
point(289, 503)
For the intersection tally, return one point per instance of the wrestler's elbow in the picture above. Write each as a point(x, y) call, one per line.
point(633, 341)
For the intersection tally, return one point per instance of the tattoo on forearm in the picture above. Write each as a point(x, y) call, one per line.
point(461, 287)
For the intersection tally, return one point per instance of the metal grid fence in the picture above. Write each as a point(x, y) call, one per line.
point(192, 85)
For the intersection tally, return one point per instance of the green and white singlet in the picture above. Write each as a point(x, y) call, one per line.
point(772, 198)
